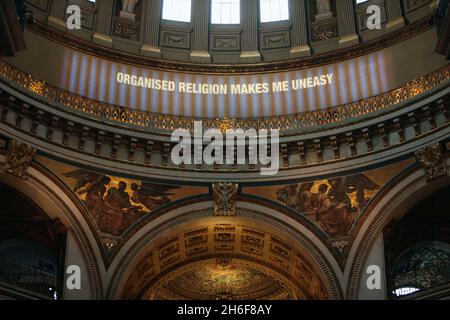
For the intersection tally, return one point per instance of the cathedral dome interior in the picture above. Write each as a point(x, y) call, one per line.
point(224, 149)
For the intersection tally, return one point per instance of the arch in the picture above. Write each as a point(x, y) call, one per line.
point(269, 286)
point(411, 189)
point(31, 243)
point(43, 191)
point(137, 246)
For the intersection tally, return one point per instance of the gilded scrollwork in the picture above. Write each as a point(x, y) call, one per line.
point(18, 158)
point(431, 159)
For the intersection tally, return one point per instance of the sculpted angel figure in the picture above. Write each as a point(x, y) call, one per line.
point(129, 5)
point(323, 6)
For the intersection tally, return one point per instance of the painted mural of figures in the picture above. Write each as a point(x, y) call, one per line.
point(296, 196)
point(91, 184)
point(118, 198)
point(333, 218)
point(113, 208)
point(151, 195)
point(289, 195)
point(304, 196)
point(119, 213)
point(94, 198)
point(357, 184)
point(129, 5)
point(334, 205)
point(283, 195)
point(86, 180)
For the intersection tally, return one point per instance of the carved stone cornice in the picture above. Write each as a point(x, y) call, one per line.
point(432, 160)
point(18, 158)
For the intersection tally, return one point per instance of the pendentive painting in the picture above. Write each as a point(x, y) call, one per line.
point(334, 204)
point(116, 203)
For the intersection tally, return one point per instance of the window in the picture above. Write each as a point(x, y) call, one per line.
point(360, 1)
point(225, 12)
point(274, 10)
point(424, 266)
point(177, 10)
point(404, 291)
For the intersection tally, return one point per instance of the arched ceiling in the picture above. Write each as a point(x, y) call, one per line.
point(221, 278)
point(224, 258)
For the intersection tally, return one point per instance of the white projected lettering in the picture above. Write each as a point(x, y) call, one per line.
point(238, 95)
point(223, 88)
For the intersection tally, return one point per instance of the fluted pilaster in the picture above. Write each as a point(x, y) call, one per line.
point(346, 22)
point(58, 8)
point(394, 14)
point(200, 31)
point(249, 20)
point(104, 22)
point(57, 14)
point(299, 34)
point(152, 17)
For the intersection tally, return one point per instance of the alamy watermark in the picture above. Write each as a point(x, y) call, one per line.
point(241, 147)
point(73, 281)
point(373, 281)
point(74, 17)
point(374, 17)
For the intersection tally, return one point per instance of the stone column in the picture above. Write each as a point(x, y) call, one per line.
point(300, 46)
point(249, 21)
point(56, 18)
point(394, 14)
point(104, 21)
point(346, 23)
point(152, 20)
point(200, 35)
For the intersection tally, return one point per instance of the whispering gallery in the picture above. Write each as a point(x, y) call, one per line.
point(108, 193)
